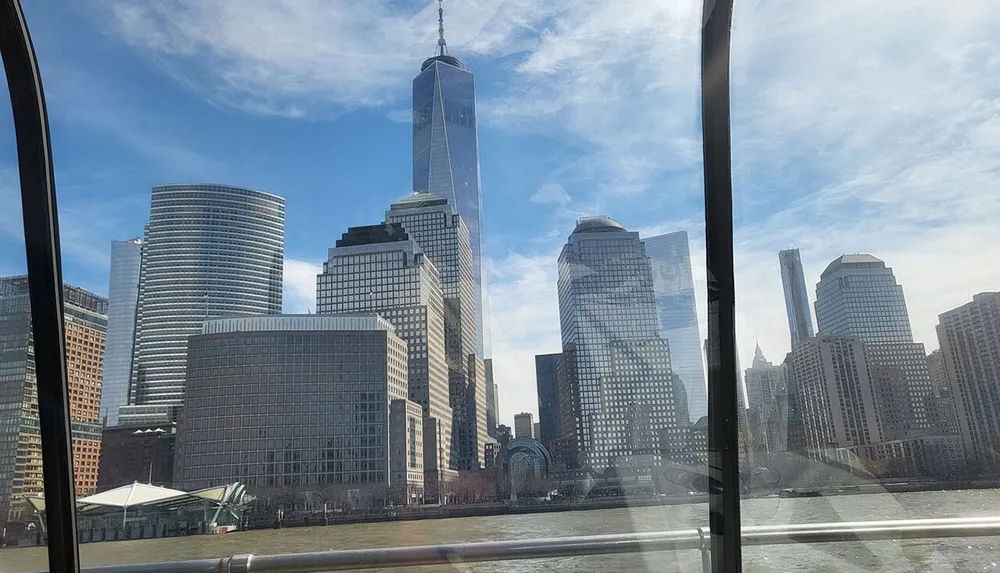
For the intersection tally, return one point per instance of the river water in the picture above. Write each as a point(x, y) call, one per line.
point(945, 555)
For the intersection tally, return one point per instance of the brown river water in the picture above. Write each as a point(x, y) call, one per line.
point(945, 555)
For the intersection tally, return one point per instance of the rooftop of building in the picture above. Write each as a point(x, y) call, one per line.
point(444, 59)
point(855, 259)
point(298, 323)
point(373, 234)
point(599, 224)
point(419, 199)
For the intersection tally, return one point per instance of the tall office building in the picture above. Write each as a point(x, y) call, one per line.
point(835, 392)
point(524, 425)
point(86, 324)
point(763, 381)
point(793, 283)
point(123, 297)
point(858, 296)
point(970, 351)
point(617, 401)
point(446, 155)
point(670, 261)
point(301, 403)
point(210, 251)
point(443, 238)
point(380, 269)
point(547, 388)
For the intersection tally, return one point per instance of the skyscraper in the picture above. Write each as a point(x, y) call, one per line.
point(793, 282)
point(86, 324)
point(547, 387)
point(210, 251)
point(858, 296)
point(446, 154)
point(670, 260)
point(970, 350)
point(123, 297)
point(617, 401)
point(492, 400)
point(380, 269)
point(444, 239)
point(763, 381)
point(524, 425)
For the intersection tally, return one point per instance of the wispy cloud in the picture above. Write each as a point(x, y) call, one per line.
point(550, 193)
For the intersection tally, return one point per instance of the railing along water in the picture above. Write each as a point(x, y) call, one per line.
point(685, 539)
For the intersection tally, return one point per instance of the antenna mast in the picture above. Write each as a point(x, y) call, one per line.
point(442, 45)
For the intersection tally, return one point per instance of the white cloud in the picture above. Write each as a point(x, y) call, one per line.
point(550, 193)
point(399, 115)
point(299, 293)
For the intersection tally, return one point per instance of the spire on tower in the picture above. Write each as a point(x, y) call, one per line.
point(442, 45)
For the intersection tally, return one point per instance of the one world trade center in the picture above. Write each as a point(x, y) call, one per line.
point(446, 153)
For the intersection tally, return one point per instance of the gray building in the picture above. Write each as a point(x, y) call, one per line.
point(524, 425)
point(210, 251)
point(670, 262)
point(617, 399)
point(492, 400)
point(380, 269)
point(547, 388)
point(446, 156)
point(793, 283)
point(442, 236)
point(969, 337)
point(123, 297)
point(297, 404)
point(765, 382)
point(858, 296)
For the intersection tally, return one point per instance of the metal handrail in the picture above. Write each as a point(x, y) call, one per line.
point(685, 539)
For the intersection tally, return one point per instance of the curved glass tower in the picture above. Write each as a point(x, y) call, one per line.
point(123, 295)
point(210, 251)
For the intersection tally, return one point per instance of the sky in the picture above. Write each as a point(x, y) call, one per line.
point(857, 127)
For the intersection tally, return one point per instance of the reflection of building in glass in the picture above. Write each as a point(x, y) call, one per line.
point(547, 386)
point(858, 296)
point(123, 296)
point(379, 269)
point(209, 251)
point(670, 261)
point(298, 403)
point(86, 324)
point(446, 156)
point(444, 239)
point(793, 282)
point(970, 350)
point(618, 396)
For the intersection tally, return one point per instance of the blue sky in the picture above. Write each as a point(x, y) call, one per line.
point(858, 127)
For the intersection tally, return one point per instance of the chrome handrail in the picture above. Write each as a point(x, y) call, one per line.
point(685, 539)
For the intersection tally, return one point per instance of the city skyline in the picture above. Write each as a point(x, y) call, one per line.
point(112, 145)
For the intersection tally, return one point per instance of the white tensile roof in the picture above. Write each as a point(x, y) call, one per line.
point(140, 494)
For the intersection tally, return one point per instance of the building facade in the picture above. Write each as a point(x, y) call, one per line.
point(379, 269)
point(143, 454)
point(86, 324)
point(296, 403)
point(670, 261)
point(442, 236)
point(617, 399)
point(858, 296)
point(446, 157)
point(210, 251)
point(123, 297)
point(524, 425)
point(793, 283)
point(547, 388)
point(492, 400)
point(969, 337)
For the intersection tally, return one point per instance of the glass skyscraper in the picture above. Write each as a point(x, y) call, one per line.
point(618, 402)
point(443, 237)
point(670, 261)
point(857, 295)
point(446, 157)
point(210, 251)
point(380, 269)
point(793, 282)
point(547, 386)
point(123, 296)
